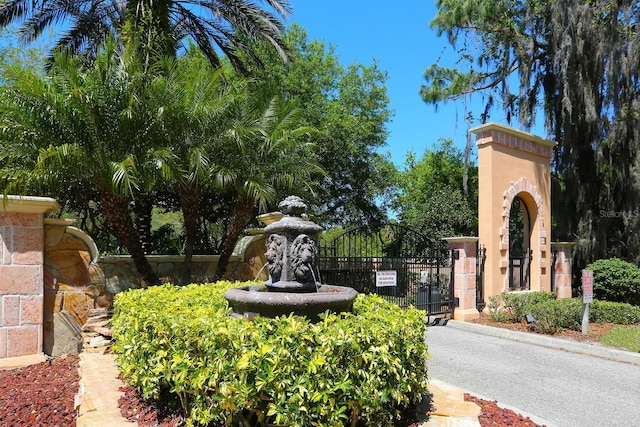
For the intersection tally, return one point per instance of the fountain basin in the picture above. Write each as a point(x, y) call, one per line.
point(257, 300)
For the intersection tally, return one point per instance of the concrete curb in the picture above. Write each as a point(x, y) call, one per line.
point(592, 349)
point(21, 361)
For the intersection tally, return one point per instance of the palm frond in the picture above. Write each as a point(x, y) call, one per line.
point(124, 179)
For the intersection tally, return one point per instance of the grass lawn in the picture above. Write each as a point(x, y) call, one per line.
point(627, 337)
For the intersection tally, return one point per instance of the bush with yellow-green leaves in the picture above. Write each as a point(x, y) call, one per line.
point(360, 368)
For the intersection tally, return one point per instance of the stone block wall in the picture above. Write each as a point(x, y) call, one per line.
point(118, 273)
point(21, 274)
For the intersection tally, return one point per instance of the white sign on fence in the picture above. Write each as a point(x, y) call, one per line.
point(424, 276)
point(386, 278)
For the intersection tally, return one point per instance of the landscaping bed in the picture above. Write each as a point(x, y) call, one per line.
point(596, 330)
point(41, 394)
point(150, 413)
point(493, 415)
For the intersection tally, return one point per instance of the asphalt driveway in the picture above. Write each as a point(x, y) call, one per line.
point(573, 384)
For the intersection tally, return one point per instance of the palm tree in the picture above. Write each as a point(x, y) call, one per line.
point(265, 156)
point(231, 137)
point(161, 26)
point(196, 102)
point(89, 127)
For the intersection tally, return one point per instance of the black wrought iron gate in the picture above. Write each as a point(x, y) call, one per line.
point(400, 264)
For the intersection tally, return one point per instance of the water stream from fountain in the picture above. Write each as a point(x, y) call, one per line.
point(255, 279)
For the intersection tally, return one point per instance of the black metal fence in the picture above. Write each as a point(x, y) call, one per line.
point(400, 264)
point(481, 255)
point(519, 271)
point(554, 254)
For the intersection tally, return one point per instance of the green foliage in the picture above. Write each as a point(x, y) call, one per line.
point(518, 305)
point(110, 135)
point(161, 27)
point(614, 312)
point(431, 197)
point(554, 315)
point(349, 107)
point(364, 366)
point(623, 337)
point(573, 61)
point(496, 311)
point(616, 280)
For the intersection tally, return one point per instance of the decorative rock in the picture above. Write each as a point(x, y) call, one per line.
point(66, 337)
point(76, 303)
point(99, 341)
point(92, 324)
point(105, 332)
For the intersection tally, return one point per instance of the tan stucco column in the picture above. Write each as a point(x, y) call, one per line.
point(21, 274)
point(513, 164)
point(562, 273)
point(464, 278)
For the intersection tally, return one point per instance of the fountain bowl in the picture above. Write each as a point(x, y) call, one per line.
point(257, 300)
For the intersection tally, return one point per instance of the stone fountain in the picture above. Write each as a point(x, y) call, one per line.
point(294, 281)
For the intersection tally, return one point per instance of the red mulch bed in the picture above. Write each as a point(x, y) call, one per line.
point(494, 416)
point(148, 413)
point(596, 330)
point(41, 394)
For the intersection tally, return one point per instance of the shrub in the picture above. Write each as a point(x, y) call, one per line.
point(520, 304)
point(614, 312)
point(616, 280)
point(496, 311)
point(554, 315)
point(362, 367)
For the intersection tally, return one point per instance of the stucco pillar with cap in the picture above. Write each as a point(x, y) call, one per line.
point(562, 272)
point(21, 274)
point(464, 278)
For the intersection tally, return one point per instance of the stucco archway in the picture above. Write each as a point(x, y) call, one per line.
point(513, 164)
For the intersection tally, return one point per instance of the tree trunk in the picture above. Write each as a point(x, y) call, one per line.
point(142, 209)
point(116, 210)
point(189, 201)
point(241, 213)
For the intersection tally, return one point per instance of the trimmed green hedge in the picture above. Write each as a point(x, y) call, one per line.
point(364, 367)
point(518, 305)
point(552, 315)
point(614, 312)
point(616, 280)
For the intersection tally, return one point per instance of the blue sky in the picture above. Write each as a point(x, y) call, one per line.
point(398, 36)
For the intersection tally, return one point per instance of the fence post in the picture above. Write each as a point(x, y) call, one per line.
point(562, 274)
point(464, 279)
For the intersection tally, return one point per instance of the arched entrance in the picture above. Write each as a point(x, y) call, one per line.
point(514, 194)
point(520, 253)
